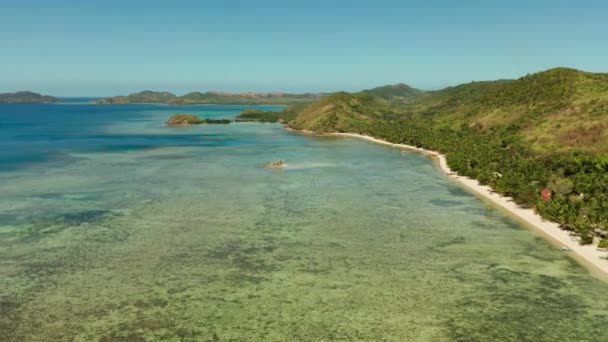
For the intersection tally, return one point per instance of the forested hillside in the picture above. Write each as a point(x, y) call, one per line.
point(543, 132)
point(554, 111)
point(342, 112)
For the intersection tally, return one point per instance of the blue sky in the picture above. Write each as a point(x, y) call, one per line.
point(98, 48)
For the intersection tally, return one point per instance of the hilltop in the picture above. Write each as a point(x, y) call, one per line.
point(26, 97)
point(556, 110)
point(341, 112)
point(212, 97)
point(400, 92)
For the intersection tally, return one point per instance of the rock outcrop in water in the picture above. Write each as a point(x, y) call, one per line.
point(279, 164)
point(518, 136)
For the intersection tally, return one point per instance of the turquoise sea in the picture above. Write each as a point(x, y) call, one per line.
point(114, 227)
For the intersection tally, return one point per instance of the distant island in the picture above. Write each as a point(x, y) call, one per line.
point(26, 97)
point(212, 97)
point(397, 93)
point(541, 139)
point(189, 119)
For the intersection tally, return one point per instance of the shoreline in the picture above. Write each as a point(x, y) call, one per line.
point(588, 255)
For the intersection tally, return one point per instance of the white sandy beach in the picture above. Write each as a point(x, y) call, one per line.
point(589, 255)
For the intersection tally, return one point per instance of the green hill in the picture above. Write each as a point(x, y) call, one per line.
point(559, 110)
point(341, 112)
point(397, 92)
point(545, 131)
point(26, 97)
point(554, 111)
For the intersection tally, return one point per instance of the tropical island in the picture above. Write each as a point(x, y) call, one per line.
point(26, 97)
point(212, 97)
point(541, 140)
point(189, 119)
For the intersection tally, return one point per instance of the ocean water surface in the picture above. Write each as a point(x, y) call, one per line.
point(114, 227)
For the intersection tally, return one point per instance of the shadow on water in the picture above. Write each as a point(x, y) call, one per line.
point(251, 261)
point(37, 160)
point(36, 228)
point(534, 303)
point(79, 217)
point(445, 203)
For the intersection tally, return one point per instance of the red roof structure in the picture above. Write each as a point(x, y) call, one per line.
point(546, 194)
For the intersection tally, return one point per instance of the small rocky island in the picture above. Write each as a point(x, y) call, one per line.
point(279, 164)
point(26, 97)
point(189, 119)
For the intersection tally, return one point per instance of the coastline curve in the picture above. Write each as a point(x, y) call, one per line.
point(588, 255)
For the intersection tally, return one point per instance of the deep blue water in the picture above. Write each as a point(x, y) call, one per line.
point(31, 134)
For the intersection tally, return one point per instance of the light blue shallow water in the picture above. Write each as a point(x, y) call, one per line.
point(114, 227)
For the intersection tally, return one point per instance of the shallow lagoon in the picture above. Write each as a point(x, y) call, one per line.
point(116, 228)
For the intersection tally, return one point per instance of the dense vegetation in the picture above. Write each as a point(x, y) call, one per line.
point(559, 110)
point(547, 131)
point(26, 97)
point(256, 115)
point(212, 98)
point(189, 119)
point(341, 112)
point(397, 93)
